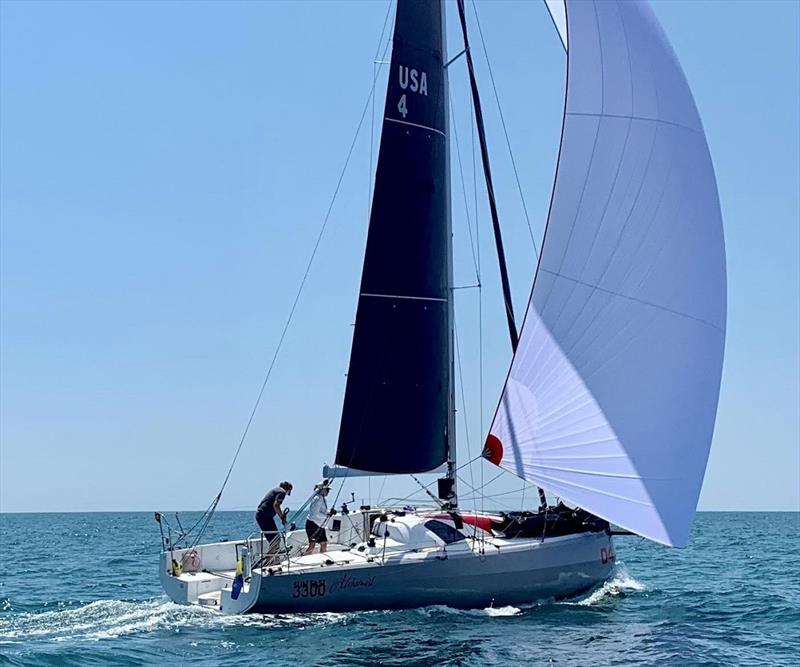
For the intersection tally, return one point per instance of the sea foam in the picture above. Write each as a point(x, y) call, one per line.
point(620, 584)
point(108, 619)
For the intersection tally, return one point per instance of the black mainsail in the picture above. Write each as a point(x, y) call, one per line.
point(396, 412)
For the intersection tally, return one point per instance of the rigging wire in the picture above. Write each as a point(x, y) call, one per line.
point(375, 65)
point(213, 506)
point(425, 487)
point(480, 289)
point(464, 192)
point(463, 400)
point(508, 493)
point(493, 479)
point(505, 131)
point(474, 489)
point(380, 492)
point(500, 506)
point(481, 489)
point(196, 523)
point(480, 285)
point(476, 266)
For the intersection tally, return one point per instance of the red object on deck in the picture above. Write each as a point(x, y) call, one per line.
point(481, 521)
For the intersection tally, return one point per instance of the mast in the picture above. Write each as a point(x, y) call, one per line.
point(451, 492)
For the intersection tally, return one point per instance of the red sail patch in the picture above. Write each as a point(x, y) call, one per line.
point(493, 449)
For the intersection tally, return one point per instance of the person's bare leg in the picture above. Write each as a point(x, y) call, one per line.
point(323, 547)
point(310, 549)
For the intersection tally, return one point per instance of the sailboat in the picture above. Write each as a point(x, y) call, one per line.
point(611, 395)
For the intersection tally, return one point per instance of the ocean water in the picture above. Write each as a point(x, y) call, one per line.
point(82, 589)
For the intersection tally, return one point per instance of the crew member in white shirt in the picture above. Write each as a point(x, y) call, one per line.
point(317, 517)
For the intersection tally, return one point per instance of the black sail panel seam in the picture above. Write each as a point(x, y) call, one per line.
point(420, 126)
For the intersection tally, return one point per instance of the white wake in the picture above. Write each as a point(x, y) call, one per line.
point(107, 619)
point(620, 584)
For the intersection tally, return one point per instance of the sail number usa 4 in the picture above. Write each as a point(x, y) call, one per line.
point(413, 80)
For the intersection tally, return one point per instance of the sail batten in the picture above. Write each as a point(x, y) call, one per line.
point(621, 349)
point(395, 417)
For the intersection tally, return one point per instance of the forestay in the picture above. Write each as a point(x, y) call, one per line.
point(612, 394)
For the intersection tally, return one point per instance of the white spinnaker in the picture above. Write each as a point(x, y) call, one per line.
point(612, 394)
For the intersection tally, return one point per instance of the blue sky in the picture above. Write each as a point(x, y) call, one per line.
point(164, 171)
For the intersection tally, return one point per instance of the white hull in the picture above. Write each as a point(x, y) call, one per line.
point(473, 573)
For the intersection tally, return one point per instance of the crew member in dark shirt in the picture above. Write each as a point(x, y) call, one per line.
point(268, 509)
